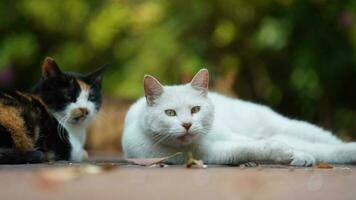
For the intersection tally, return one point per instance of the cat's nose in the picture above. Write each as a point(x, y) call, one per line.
point(187, 125)
point(84, 111)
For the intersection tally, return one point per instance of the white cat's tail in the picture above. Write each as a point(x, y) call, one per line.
point(343, 153)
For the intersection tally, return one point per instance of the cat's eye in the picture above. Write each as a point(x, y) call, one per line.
point(91, 97)
point(195, 109)
point(67, 97)
point(170, 112)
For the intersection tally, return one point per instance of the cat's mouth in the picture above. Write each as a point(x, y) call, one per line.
point(78, 119)
point(79, 115)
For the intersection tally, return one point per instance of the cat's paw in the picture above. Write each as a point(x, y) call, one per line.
point(85, 155)
point(302, 159)
point(278, 152)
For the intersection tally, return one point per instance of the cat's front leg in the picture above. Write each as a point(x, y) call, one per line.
point(280, 153)
point(85, 155)
point(226, 152)
point(78, 155)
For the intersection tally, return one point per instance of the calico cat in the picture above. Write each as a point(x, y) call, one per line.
point(222, 130)
point(49, 123)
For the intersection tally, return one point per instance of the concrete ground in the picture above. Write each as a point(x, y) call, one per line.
point(63, 181)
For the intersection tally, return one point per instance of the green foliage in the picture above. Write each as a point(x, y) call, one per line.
point(298, 56)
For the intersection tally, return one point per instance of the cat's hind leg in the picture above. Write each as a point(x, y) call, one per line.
point(303, 131)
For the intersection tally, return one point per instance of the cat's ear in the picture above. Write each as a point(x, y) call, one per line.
point(96, 77)
point(201, 81)
point(50, 68)
point(153, 89)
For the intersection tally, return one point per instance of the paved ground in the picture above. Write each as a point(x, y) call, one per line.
point(175, 182)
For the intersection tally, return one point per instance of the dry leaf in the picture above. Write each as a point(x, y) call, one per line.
point(58, 175)
point(151, 161)
point(193, 162)
point(91, 169)
point(323, 166)
point(51, 177)
point(108, 166)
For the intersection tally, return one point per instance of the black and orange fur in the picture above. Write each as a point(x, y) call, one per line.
point(29, 133)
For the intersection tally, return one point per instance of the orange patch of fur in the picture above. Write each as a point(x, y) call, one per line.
point(83, 85)
point(10, 117)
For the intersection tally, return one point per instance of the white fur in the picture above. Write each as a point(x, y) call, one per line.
point(227, 131)
point(77, 131)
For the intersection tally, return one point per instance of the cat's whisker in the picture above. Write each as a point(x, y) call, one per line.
point(159, 137)
point(61, 128)
point(156, 136)
point(64, 129)
point(161, 140)
point(156, 139)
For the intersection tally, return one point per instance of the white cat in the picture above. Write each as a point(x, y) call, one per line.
point(222, 130)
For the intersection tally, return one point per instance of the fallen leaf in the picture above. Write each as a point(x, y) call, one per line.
point(108, 166)
point(48, 178)
point(323, 166)
point(58, 175)
point(193, 162)
point(90, 169)
point(151, 161)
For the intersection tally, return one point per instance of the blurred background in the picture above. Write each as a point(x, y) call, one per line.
point(297, 56)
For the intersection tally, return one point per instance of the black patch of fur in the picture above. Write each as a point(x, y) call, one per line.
point(5, 138)
point(14, 156)
point(57, 92)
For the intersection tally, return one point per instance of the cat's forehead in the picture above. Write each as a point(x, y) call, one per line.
point(180, 95)
point(79, 80)
point(180, 89)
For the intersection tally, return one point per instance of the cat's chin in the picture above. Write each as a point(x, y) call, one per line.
point(179, 141)
point(79, 122)
point(76, 123)
point(185, 143)
point(185, 140)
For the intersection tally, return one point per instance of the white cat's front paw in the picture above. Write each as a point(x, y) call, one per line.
point(278, 152)
point(302, 159)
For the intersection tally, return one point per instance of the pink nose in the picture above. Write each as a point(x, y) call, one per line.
point(187, 125)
